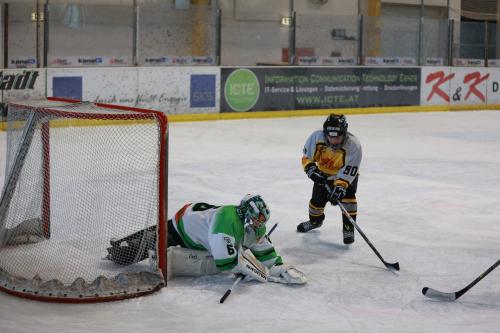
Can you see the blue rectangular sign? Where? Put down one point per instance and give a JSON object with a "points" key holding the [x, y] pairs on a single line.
{"points": [[202, 92], [67, 87]]}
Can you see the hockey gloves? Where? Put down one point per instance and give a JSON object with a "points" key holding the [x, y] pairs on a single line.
{"points": [[337, 194], [315, 174], [250, 267], [286, 274], [253, 269]]}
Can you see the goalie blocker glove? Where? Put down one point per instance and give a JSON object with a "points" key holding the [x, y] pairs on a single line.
{"points": [[314, 173], [253, 269], [250, 267]]}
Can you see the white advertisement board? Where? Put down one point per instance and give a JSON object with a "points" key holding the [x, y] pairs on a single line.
{"points": [[455, 86], [435, 86], [21, 84], [196, 89], [469, 85], [493, 90], [179, 90], [174, 90], [103, 85]]}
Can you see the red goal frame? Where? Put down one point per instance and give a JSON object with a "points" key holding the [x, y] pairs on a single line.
{"points": [[163, 191]]}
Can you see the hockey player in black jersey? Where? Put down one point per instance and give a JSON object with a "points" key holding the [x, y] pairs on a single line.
{"points": [[331, 159]]}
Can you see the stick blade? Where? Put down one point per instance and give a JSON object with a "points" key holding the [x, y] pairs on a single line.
{"points": [[439, 295], [393, 266]]}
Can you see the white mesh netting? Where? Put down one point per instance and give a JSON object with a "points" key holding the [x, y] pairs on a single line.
{"points": [[77, 176]]}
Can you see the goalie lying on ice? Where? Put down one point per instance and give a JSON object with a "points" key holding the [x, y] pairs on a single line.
{"points": [[207, 239]]}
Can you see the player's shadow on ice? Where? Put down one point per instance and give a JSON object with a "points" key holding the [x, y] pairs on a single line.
{"points": [[313, 247]]}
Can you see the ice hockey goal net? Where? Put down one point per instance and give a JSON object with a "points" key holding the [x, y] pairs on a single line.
{"points": [[78, 175]]}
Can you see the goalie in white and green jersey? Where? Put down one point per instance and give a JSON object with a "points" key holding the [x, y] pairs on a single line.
{"points": [[207, 239]]}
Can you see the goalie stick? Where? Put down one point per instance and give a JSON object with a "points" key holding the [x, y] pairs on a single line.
{"points": [[452, 296], [241, 276], [228, 292]]}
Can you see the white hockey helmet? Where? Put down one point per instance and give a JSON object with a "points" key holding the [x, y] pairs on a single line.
{"points": [[253, 211]]}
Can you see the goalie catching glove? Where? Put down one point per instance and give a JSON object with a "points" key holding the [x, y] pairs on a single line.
{"points": [[287, 274]]}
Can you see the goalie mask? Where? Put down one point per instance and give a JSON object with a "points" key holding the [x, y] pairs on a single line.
{"points": [[334, 127], [254, 213]]}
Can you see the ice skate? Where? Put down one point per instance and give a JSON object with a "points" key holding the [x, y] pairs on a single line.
{"points": [[348, 233], [308, 225]]}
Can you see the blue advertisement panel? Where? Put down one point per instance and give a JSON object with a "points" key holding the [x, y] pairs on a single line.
{"points": [[67, 87], [202, 91]]}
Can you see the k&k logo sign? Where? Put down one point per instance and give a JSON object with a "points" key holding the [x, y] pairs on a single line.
{"points": [[437, 81], [454, 86]]}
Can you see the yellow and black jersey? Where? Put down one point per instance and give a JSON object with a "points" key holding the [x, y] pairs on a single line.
{"points": [[341, 163]]}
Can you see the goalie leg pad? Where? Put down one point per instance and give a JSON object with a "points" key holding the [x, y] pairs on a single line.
{"points": [[188, 262]]}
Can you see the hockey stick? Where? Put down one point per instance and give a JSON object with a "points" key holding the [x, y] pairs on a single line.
{"points": [[436, 294], [241, 276], [272, 229], [394, 266], [228, 292]]}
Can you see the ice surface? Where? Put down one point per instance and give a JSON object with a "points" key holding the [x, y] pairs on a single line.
{"points": [[428, 197]]}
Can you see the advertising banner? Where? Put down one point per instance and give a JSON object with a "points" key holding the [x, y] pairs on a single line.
{"points": [[327, 61], [461, 62], [179, 90], [390, 61], [112, 85], [21, 84], [493, 86], [432, 61], [174, 90], [89, 61], [459, 86], [163, 60], [469, 85], [25, 62], [436, 85], [302, 88], [68, 87]]}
